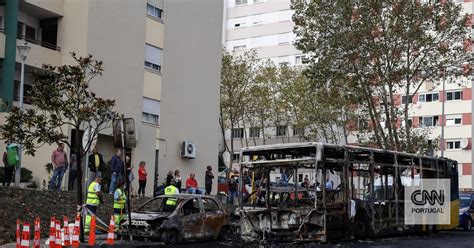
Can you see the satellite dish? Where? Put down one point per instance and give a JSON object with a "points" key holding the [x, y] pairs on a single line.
{"points": [[464, 143]]}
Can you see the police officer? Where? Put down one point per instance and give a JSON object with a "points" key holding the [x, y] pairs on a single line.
{"points": [[94, 198], [120, 198], [171, 190]]}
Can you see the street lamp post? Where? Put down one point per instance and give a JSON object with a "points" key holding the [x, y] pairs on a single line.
{"points": [[443, 118], [23, 52]]}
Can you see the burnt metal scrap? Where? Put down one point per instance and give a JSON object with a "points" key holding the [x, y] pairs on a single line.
{"points": [[194, 217], [348, 192]]}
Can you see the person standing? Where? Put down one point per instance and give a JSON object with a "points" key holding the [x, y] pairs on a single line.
{"points": [[232, 189], [120, 198], [142, 174], [169, 176], [208, 180], [94, 198], [171, 189], [59, 161], [96, 164], [116, 166], [177, 179], [10, 160], [72, 170]]}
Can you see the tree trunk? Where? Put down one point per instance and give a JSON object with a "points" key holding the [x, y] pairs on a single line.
{"points": [[79, 177]]}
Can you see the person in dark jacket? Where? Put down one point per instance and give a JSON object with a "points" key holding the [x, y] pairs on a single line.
{"points": [[208, 180], [96, 164], [116, 167]]}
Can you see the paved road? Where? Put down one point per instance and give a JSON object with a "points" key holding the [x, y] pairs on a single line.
{"points": [[443, 239]]}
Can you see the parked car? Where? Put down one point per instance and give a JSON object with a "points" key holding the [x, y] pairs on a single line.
{"points": [[194, 217], [466, 210]]}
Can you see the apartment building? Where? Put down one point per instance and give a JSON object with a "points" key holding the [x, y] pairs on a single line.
{"points": [[128, 36], [266, 26]]}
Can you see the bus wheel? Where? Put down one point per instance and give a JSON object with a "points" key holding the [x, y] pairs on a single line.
{"points": [[361, 228], [468, 225], [431, 229]]}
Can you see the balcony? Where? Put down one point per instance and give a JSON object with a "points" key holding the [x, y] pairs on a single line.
{"points": [[32, 40], [38, 54]]}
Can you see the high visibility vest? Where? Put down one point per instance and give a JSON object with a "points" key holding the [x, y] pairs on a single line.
{"points": [[170, 190], [92, 197], [120, 202]]}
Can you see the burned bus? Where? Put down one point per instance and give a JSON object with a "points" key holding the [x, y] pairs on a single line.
{"points": [[321, 192]]}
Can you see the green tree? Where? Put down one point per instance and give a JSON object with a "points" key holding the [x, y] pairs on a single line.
{"points": [[370, 50], [61, 101], [237, 73]]}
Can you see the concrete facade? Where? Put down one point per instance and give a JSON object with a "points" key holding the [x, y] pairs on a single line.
{"points": [[119, 34], [192, 64]]}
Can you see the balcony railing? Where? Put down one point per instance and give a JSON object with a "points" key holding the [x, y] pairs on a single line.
{"points": [[35, 41]]}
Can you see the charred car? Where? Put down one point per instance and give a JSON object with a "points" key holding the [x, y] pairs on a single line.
{"points": [[192, 217]]}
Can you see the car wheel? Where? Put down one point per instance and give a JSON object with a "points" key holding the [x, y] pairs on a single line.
{"points": [[225, 234], [170, 237], [468, 225]]}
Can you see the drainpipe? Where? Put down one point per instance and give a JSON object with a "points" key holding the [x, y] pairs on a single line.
{"points": [[8, 72]]}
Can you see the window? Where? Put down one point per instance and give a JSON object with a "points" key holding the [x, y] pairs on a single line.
{"points": [[453, 120], [238, 25], [191, 207], [153, 57], [238, 48], [151, 111], [430, 97], [238, 133], [254, 132], [281, 130], [154, 11], [299, 59], [30, 34], [453, 144], [454, 95], [298, 131], [240, 2], [210, 205], [235, 157], [429, 121], [405, 98], [27, 88], [19, 30]]}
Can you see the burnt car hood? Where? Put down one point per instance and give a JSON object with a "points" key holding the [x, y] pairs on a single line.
{"points": [[147, 216]]}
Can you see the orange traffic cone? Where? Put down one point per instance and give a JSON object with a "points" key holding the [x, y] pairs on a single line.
{"points": [[75, 235], [67, 237], [52, 233], [92, 231], [37, 237], [25, 236], [58, 240], [18, 239], [111, 235]]}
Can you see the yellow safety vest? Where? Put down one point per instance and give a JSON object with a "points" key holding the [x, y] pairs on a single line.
{"points": [[92, 197], [120, 202], [170, 190]]}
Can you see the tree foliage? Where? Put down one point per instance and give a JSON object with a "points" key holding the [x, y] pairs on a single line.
{"points": [[364, 52], [259, 95]]}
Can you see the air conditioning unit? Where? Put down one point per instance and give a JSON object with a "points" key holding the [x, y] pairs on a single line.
{"points": [[464, 143], [188, 150]]}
